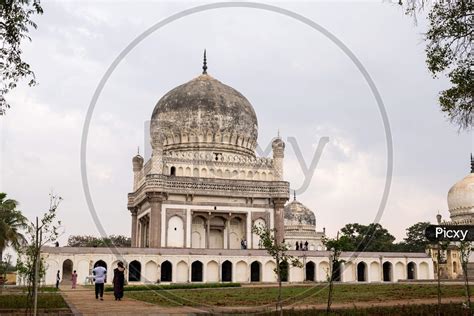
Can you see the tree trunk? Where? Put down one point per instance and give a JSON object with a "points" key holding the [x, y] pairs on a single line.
{"points": [[279, 306], [439, 281], [466, 284], [328, 309]]}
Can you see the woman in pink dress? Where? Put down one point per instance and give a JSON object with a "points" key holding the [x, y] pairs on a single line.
{"points": [[74, 279]]}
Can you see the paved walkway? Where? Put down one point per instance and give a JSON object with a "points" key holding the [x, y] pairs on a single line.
{"points": [[82, 302]]}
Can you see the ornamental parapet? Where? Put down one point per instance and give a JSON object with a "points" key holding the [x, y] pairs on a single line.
{"points": [[205, 158], [467, 221], [278, 190]]}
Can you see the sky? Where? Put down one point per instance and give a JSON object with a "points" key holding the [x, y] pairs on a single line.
{"points": [[298, 81]]}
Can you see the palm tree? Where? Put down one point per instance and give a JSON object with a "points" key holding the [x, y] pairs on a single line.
{"points": [[12, 222]]}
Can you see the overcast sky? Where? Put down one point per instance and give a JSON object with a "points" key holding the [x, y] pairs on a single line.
{"points": [[298, 81]]}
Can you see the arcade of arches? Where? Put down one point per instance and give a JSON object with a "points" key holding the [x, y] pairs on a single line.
{"points": [[177, 269]]}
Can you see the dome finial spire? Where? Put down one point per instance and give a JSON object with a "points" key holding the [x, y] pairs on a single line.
{"points": [[294, 195], [204, 64], [472, 164]]}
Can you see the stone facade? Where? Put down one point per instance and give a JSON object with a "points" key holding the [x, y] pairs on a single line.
{"points": [[169, 265], [194, 202]]}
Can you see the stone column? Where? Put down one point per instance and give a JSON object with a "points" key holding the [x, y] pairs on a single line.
{"points": [[208, 231], [133, 236], [188, 228], [279, 220], [154, 230], [140, 233], [248, 230], [227, 224]]}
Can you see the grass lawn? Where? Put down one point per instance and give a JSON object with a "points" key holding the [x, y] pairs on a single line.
{"points": [[257, 296], [45, 301], [406, 310], [156, 287]]}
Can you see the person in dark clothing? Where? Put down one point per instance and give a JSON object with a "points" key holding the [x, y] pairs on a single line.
{"points": [[301, 245], [306, 245], [58, 278], [118, 281], [297, 246]]}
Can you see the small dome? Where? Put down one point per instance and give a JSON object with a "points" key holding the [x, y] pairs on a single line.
{"points": [[205, 114], [137, 162], [298, 214], [461, 195], [137, 159], [461, 198]]}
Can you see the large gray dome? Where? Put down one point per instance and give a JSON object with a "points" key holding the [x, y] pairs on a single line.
{"points": [[205, 114]]}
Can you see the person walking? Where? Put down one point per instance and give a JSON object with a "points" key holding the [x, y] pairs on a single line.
{"points": [[119, 280], [74, 279], [100, 277], [58, 278]]}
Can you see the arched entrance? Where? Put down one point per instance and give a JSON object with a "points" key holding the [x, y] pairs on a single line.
{"points": [[226, 271], [387, 272], [216, 232], [423, 272], [134, 271], [166, 272], [196, 271], [284, 271], [175, 233], [182, 272], [260, 222], [255, 271], [411, 271], [336, 271], [309, 271], [100, 263], [67, 272], [361, 272]]}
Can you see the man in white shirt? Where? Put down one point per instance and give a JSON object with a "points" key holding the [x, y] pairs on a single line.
{"points": [[100, 277]]}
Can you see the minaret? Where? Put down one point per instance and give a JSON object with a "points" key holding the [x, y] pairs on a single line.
{"points": [[156, 154], [137, 163], [278, 147]]}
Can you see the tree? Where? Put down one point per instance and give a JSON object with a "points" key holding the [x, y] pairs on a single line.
{"points": [[372, 237], [449, 50], [464, 253], [279, 252], [15, 22], [335, 247], [91, 241], [30, 264], [12, 222], [416, 240]]}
